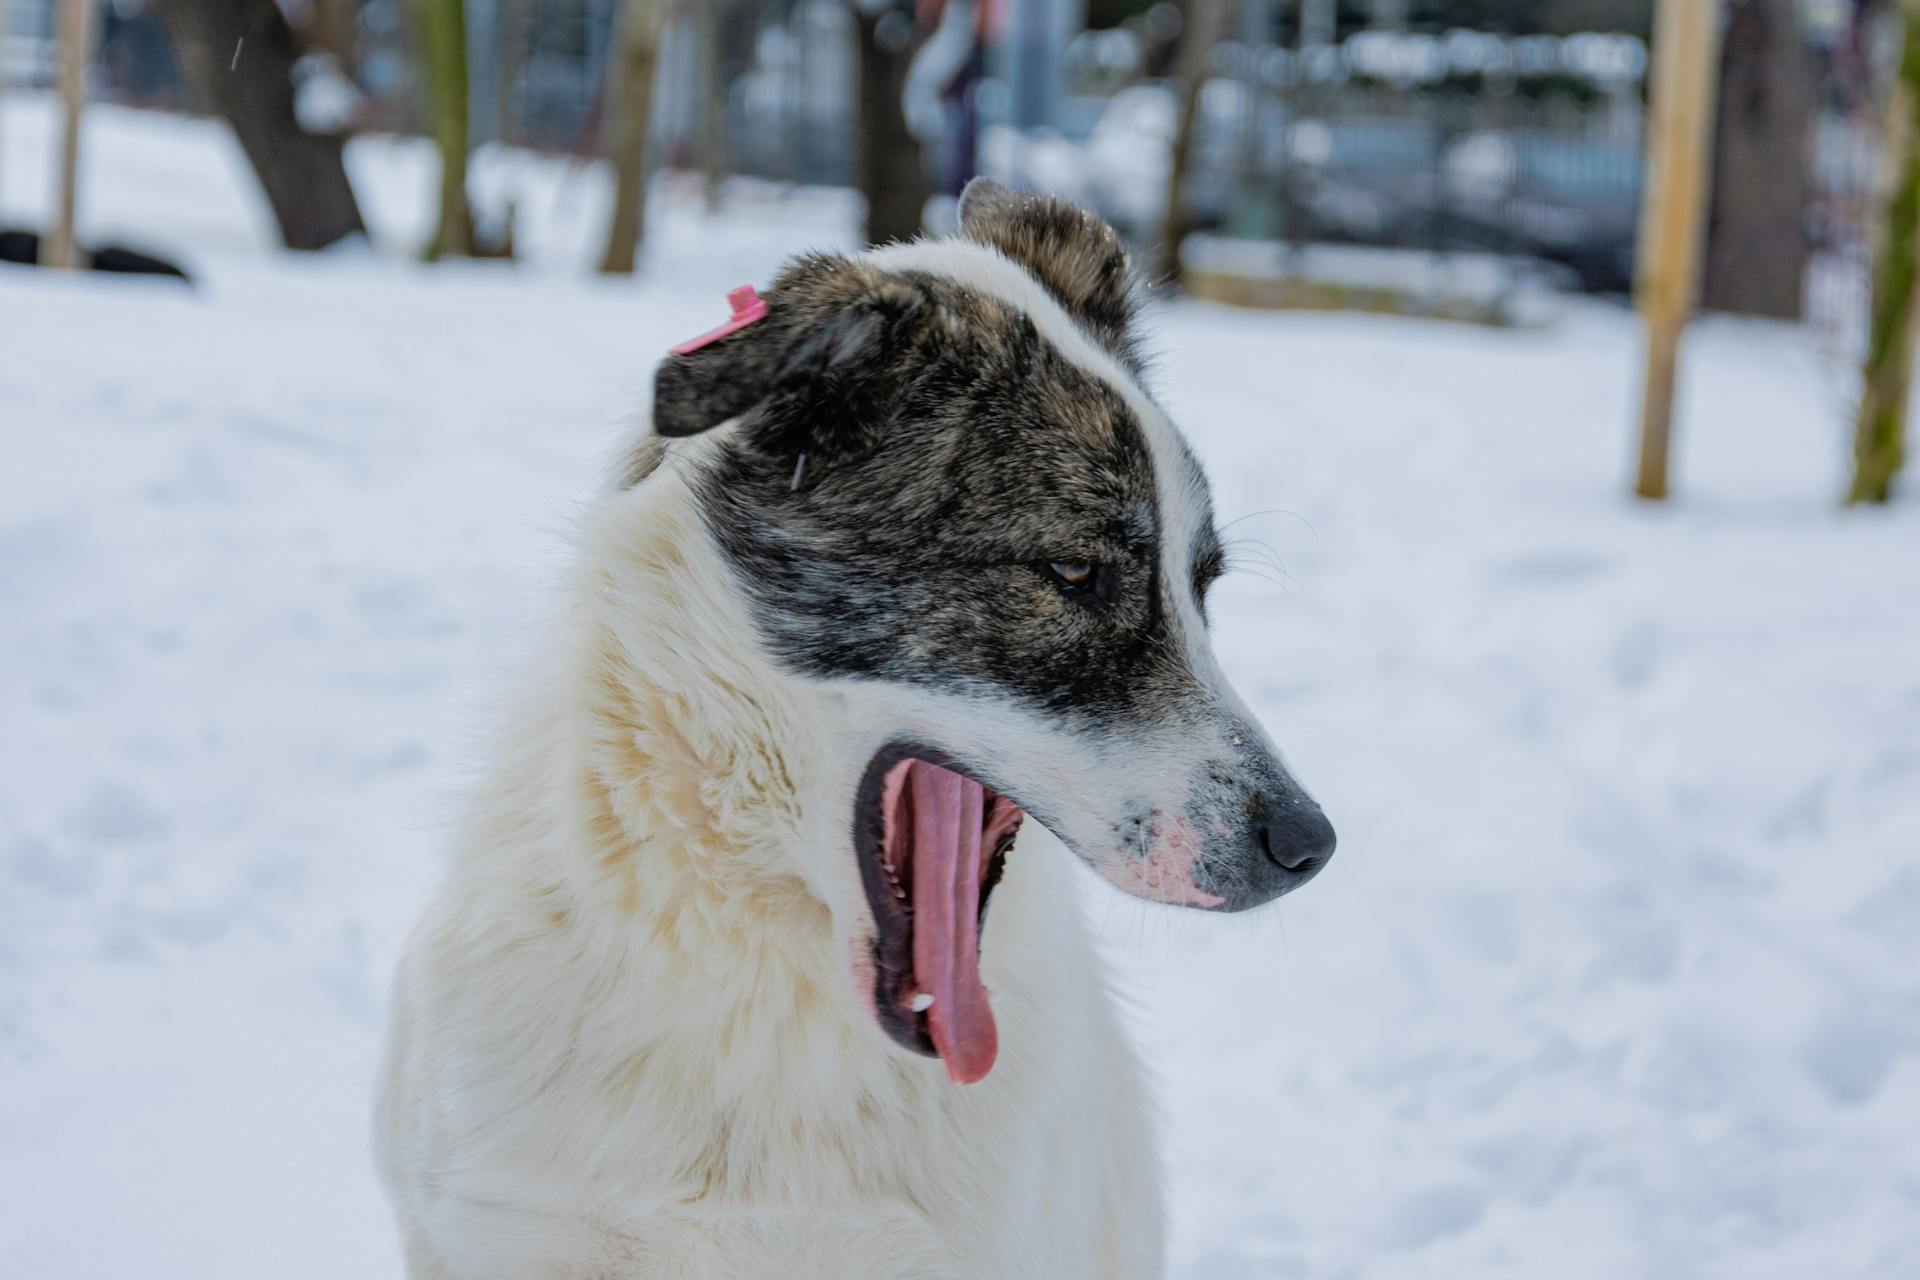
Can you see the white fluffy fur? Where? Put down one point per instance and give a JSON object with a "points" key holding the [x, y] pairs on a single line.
{"points": [[628, 1038]]}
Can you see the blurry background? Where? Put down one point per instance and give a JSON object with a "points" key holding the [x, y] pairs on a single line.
{"points": [[1618, 971], [1487, 126]]}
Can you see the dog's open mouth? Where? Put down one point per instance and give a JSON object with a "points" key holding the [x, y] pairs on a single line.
{"points": [[932, 843]]}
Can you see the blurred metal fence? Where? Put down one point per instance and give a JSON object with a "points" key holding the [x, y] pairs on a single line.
{"points": [[1857, 63], [1439, 140], [539, 68], [31, 50], [784, 70], [1456, 142], [132, 61]]}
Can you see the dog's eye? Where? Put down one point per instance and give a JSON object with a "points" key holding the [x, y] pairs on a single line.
{"points": [[1077, 574]]}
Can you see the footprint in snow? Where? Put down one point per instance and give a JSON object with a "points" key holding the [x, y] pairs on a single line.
{"points": [[1432, 1214], [1849, 1056], [115, 814]]}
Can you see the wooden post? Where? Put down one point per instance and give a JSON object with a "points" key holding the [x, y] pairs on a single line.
{"points": [[1685, 65], [76, 45]]}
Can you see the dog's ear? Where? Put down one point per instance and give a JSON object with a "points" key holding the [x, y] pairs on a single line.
{"points": [[1074, 255], [814, 375]]}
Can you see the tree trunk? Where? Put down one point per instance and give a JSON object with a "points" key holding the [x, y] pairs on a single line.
{"points": [[238, 55], [1757, 244], [440, 47], [1879, 446], [893, 177], [624, 137], [1205, 21]]}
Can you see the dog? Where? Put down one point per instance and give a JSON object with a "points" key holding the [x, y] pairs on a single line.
{"points": [[898, 609]]}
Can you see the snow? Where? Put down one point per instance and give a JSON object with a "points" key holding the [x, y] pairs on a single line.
{"points": [[1616, 973]]}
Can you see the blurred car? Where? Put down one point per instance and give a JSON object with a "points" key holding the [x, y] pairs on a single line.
{"points": [[1363, 179], [1564, 199]]}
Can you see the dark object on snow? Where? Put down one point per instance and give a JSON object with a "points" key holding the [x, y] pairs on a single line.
{"points": [[24, 247]]}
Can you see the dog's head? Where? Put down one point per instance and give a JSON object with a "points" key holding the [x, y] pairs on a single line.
{"points": [[945, 494]]}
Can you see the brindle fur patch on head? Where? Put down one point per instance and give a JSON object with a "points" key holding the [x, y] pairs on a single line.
{"points": [[952, 455]]}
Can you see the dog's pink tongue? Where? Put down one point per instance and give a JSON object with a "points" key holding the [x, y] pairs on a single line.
{"points": [[948, 812]]}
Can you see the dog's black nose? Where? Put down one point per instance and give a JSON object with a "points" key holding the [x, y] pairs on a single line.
{"points": [[1297, 837]]}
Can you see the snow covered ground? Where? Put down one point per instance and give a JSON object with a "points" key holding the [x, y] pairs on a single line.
{"points": [[1617, 973]]}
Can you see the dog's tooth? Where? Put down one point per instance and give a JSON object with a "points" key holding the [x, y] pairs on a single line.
{"points": [[922, 1002]]}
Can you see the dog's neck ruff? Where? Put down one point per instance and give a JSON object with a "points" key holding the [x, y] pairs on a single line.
{"points": [[690, 752], [687, 772]]}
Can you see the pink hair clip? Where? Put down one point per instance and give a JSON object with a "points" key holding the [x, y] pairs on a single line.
{"points": [[747, 305]]}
